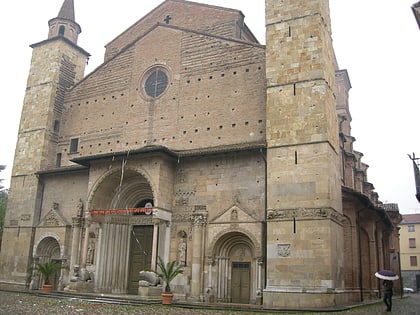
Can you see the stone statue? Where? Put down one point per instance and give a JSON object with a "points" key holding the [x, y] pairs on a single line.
{"points": [[80, 208], [91, 252], [148, 279], [182, 250], [75, 276]]}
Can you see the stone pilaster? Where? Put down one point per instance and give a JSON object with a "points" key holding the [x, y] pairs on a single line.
{"points": [[199, 221]]}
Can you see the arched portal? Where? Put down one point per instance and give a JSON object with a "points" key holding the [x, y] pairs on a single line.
{"points": [[127, 239], [47, 250], [235, 269], [119, 190]]}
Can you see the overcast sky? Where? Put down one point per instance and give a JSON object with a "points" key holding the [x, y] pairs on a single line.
{"points": [[377, 41]]}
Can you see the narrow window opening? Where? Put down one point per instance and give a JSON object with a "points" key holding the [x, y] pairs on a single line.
{"points": [[294, 225], [74, 145], [61, 30], [296, 157], [294, 89], [290, 31], [56, 126], [58, 160]]}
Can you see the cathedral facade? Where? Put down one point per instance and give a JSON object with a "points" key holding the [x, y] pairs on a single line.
{"points": [[233, 158]]}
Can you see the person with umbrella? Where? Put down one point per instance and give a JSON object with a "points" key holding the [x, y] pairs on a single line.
{"points": [[388, 276], [388, 292]]}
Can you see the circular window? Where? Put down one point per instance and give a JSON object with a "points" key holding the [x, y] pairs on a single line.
{"points": [[156, 82]]}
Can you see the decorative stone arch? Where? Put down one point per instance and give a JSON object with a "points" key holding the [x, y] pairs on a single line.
{"points": [[107, 193], [47, 249], [118, 259], [49, 245], [221, 235], [229, 252]]}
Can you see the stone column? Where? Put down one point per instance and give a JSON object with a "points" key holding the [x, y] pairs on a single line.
{"points": [[199, 221], [113, 263], [210, 284], [222, 279], [155, 243], [75, 244], [167, 242], [259, 281], [85, 242]]}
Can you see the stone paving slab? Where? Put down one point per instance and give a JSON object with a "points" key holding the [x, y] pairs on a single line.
{"points": [[39, 304]]}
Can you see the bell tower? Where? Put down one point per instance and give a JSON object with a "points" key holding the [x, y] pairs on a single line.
{"points": [[57, 64], [64, 25], [304, 205]]}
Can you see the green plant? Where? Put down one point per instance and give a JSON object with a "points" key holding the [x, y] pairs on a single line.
{"points": [[47, 269], [167, 272]]}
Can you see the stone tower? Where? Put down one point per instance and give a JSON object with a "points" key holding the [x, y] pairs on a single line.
{"points": [[304, 210], [57, 64]]}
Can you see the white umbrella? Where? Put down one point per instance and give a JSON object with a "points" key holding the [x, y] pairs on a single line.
{"points": [[386, 275]]}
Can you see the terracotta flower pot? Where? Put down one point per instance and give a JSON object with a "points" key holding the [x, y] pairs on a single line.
{"points": [[46, 288], [167, 298]]}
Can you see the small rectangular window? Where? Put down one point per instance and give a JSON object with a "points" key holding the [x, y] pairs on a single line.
{"points": [[56, 126], [74, 145], [411, 228], [413, 261], [412, 242], [58, 160]]}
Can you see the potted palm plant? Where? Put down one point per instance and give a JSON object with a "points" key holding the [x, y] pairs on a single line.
{"points": [[167, 272], [47, 269]]}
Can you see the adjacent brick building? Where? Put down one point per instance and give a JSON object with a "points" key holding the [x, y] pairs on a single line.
{"points": [[234, 158]]}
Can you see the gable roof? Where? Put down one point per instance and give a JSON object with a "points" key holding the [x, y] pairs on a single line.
{"points": [[411, 218], [210, 19], [134, 42]]}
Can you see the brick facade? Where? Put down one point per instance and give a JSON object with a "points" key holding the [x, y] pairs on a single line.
{"points": [[244, 157]]}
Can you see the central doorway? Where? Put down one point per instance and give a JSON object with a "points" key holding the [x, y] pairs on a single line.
{"points": [[140, 254]]}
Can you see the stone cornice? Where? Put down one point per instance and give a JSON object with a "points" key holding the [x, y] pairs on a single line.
{"points": [[304, 214]]}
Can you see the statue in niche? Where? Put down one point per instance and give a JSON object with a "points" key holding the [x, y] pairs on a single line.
{"points": [[91, 252], [80, 208], [234, 215], [182, 252]]}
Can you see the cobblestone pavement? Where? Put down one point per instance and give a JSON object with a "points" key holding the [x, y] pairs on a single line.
{"points": [[24, 303]]}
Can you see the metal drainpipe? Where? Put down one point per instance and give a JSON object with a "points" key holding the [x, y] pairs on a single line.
{"points": [[377, 256], [264, 227]]}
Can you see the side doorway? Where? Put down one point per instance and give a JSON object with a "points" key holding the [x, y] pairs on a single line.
{"points": [[241, 282]]}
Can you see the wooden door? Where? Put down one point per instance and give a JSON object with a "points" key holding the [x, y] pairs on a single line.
{"points": [[140, 254], [241, 288]]}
